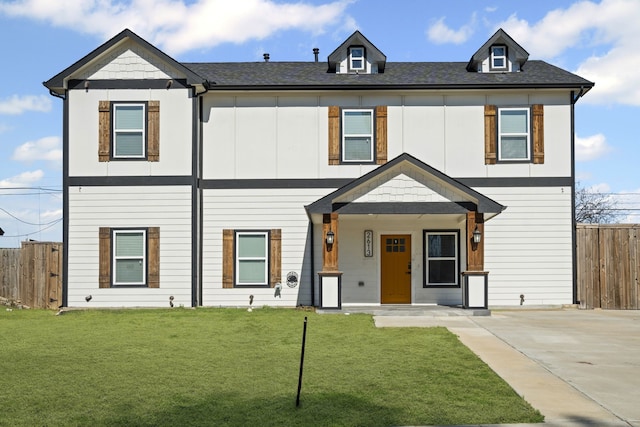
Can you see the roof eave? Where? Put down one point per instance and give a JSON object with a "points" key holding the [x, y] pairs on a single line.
{"points": [[58, 83]]}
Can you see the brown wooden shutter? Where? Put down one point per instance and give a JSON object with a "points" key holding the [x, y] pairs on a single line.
{"points": [[275, 257], [104, 257], [490, 135], [153, 131], [381, 134], [104, 130], [227, 258], [153, 249], [537, 130], [334, 135]]}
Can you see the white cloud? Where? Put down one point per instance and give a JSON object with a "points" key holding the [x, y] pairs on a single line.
{"points": [[47, 148], [609, 29], [440, 33], [25, 179], [20, 104], [178, 25], [591, 147]]}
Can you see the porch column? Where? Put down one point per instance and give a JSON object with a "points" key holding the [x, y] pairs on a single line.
{"points": [[330, 252], [475, 251], [475, 281], [330, 277]]}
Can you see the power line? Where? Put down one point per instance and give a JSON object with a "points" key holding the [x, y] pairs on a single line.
{"points": [[51, 224], [27, 222]]}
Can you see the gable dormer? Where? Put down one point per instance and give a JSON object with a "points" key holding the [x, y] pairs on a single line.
{"points": [[357, 55], [500, 54]]}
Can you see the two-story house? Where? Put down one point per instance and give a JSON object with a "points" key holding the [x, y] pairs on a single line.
{"points": [[354, 181]]}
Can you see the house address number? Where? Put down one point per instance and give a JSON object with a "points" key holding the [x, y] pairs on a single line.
{"points": [[368, 243]]}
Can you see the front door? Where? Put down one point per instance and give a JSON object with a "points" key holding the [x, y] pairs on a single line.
{"points": [[395, 269]]}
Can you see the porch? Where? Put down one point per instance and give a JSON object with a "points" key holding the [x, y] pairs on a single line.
{"points": [[408, 310]]}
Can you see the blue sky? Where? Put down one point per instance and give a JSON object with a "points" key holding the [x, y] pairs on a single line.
{"points": [[38, 38]]}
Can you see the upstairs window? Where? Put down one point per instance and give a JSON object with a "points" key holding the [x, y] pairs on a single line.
{"points": [[357, 135], [356, 58], [513, 134], [499, 57], [128, 130]]}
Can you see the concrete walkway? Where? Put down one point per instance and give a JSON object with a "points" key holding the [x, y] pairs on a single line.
{"points": [[577, 367]]}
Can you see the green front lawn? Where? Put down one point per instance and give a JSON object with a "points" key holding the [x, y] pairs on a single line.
{"points": [[230, 367]]}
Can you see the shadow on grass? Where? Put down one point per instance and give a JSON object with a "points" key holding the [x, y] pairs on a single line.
{"points": [[319, 409]]}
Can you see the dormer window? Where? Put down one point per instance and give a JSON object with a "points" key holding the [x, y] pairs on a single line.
{"points": [[499, 57], [356, 58]]}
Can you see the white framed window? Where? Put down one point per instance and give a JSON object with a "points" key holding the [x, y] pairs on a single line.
{"points": [[357, 135], [252, 258], [441, 258], [499, 57], [129, 130], [356, 58], [129, 257], [513, 134]]}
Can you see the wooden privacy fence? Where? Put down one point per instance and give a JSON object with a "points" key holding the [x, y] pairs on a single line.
{"points": [[608, 264], [32, 274]]}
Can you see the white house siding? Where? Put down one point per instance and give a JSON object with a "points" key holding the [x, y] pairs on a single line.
{"points": [[528, 246], [258, 209], [176, 133], [93, 207]]}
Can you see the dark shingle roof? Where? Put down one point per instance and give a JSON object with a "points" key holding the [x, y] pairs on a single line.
{"points": [[427, 75]]}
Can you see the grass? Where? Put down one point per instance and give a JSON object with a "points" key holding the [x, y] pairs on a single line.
{"points": [[227, 367]]}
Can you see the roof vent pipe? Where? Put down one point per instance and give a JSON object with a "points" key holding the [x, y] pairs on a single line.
{"points": [[316, 51], [266, 57]]}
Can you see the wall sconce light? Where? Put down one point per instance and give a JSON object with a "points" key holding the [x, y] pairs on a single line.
{"points": [[477, 236], [329, 238]]}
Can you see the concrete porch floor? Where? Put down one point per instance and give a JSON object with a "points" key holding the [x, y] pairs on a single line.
{"points": [[408, 310]]}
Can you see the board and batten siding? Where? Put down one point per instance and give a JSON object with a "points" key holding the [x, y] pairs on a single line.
{"points": [[168, 208], [258, 209], [175, 138], [528, 249], [270, 136]]}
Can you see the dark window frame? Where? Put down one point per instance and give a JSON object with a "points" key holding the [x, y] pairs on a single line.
{"points": [[425, 258]]}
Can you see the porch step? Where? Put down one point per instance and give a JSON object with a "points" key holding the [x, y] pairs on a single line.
{"points": [[409, 310]]}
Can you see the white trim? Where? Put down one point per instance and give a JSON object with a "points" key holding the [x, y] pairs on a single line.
{"points": [[360, 58], [265, 258], [526, 134], [371, 135], [143, 258], [142, 130], [495, 57]]}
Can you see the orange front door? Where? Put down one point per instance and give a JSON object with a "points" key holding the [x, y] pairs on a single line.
{"points": [[395, 269]]}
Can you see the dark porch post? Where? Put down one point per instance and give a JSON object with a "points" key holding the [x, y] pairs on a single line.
{"points": [[475, 281], [330, 277]]}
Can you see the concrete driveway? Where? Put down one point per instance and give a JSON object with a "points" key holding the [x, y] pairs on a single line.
{"points": [[578, 367], [595, 351]]}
